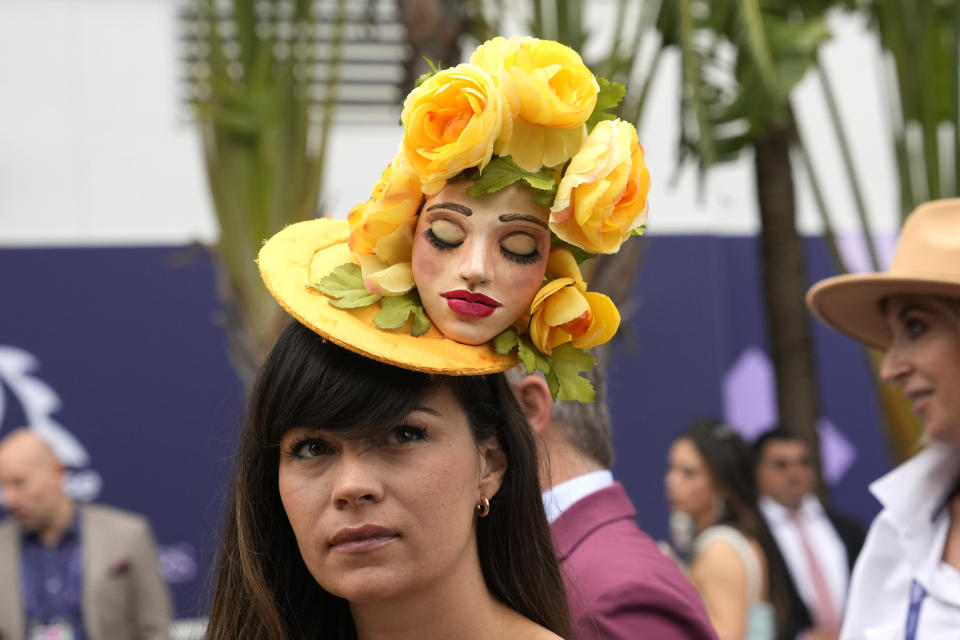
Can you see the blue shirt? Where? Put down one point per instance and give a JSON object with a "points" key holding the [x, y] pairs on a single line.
{"points": [[51, 578]]}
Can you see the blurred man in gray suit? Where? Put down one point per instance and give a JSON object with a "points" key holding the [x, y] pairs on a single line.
{"points": [[68, 570]]}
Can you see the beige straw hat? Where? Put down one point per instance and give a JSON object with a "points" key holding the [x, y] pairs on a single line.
{"points": [[926, 262]]}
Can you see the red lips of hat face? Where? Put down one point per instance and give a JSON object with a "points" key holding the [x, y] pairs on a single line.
{"points": [[474, 305]]}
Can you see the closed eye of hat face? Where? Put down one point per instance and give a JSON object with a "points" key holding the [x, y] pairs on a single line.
{"points": [[924, 360]]}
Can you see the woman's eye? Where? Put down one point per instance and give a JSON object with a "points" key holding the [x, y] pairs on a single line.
{"points": [[310, 448], [915, 328], [404, 433], [444, 234]]}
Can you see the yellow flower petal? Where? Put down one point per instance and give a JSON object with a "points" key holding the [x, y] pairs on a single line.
{"points": [[604, 324], [397, 247], [548, 290], [395, 280]]}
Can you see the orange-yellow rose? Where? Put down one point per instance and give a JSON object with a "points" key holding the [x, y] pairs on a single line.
{"points": [[450, 123], [602, 196], [551, 94], [381, 230], [564, 311], [396, 198]]}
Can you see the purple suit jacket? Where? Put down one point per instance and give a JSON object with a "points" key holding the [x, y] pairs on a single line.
{"points": [[620, 586]]}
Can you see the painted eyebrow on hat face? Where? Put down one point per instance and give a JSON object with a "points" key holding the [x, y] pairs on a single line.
{"points": [[510, 217], [453, 206]]}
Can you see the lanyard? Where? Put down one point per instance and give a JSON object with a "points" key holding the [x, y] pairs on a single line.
{"points": [[917, 594]]}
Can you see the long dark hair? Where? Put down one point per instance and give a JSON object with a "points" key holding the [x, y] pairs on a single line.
{"points": [[729, 460], [263, 588]]}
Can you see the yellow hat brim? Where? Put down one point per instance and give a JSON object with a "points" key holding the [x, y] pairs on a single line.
{"points": [[305, 252]]}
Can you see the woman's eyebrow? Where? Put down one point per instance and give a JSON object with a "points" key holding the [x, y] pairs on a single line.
{"points": [[907, 308], [453, 206], [510, 217], [426, 409]]}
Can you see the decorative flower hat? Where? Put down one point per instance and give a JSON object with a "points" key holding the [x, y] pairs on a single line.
{"points": [[521, 109]]}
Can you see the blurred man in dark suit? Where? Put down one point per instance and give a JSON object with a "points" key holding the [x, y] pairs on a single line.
{"points": [[819, 546]]}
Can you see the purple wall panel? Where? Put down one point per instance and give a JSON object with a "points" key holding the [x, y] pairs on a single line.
{"points": [[120, 349]]}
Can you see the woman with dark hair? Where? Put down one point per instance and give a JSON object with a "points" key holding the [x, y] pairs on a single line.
{"points": [[404, 501], [387, 482], [713, 498]]}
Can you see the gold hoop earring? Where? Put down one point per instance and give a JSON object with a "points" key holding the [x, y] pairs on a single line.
{"points": [[483, 507]]}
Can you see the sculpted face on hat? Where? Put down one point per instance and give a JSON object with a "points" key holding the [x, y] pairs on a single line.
{"points": [[466, 258], [479, 261]]}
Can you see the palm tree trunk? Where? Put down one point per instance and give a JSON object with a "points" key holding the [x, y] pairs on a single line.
{"points": [[784, 286]]}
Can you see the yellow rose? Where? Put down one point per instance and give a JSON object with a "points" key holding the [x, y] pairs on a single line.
{"points": [[603, 193], [396, 199], [450, 123], [564, 311], [551, 93], [381, 230]]}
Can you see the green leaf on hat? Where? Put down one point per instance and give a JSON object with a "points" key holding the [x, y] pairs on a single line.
{"points": [[563, 378], [505, 341], [421, 323], [502, 172], [609, 96], [394, 311], [344, 287], [434, 68], [638, 231], [531, 357]]}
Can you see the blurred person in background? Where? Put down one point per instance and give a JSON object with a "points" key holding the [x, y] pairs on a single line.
{"points": [[712, 496], [906, 582], [619, 585], [817, 544], [72, 571]]}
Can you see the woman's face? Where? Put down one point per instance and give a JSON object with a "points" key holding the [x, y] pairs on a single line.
{"points": [[391, 514], [689, 486], [479, 261], [924, 359]]}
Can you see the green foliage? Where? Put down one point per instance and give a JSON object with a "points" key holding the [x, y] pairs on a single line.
{"points": [[395, 310], [561, 368], [609, 97], [344, 287], [501, 172], [434, 68], [740, 61], [563, 378], [531, 357], [505, 341]]}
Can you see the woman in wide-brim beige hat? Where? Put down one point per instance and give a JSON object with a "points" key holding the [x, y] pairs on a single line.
{"points": [[906, 583]]}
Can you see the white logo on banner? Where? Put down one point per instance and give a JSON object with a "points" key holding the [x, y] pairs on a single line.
{"points": [[39, 401]]}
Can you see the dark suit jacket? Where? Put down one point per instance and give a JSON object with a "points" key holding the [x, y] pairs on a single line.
{"points": [[124, 596], [620, 586], [852, 536]]}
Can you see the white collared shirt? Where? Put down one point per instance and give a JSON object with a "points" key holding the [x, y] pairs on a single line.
{"points": [[558, 499], [905, 543], [823, 539]]}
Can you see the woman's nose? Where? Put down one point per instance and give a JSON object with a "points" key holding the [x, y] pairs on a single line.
{"points": [[356, 481], [894, 366], [475, 267]]}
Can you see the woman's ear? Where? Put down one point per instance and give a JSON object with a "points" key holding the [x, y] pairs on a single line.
{"points": [[493, 465], [533, 394]]}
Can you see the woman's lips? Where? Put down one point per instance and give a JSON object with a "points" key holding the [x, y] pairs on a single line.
{"points": [[362, 539], [467, 303]]}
